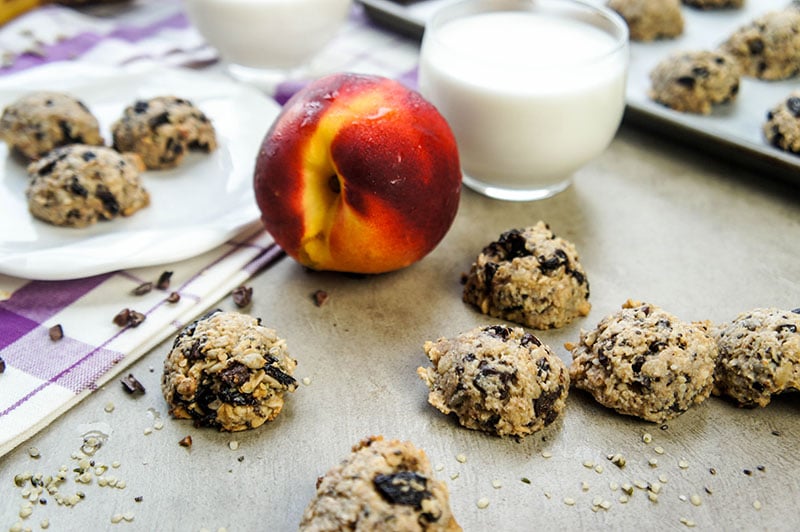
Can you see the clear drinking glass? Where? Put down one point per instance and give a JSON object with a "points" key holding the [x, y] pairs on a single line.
{"points": [[533, 89], [264, 42]]}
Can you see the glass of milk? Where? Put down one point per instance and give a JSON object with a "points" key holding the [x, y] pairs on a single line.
{"points": [[532, 89], [265, 42]]}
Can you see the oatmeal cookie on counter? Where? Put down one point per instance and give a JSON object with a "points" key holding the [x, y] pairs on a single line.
{"points": [[769, 47], [649, 20], [227, 371], [162, 130], [759, 356], [41, 121], [531, 277], [782, 127], [496, 379], [382, 485], [642, 361], [695, 81], [77, 185]]}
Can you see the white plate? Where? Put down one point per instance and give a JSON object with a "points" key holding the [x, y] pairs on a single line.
{"points": [[193, 208]]}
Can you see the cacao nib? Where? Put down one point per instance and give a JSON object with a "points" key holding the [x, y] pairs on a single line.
{"points": [[320, 297], [173, 297], [122, 317], [406, 488], [283, 378], [242, 296], [131, 385], [56, 332], [164, 280], [186, 441], [142, 289]]}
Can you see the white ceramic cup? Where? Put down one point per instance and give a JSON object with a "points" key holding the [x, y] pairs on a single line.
{"points": [[533, 89], [266, 41]]}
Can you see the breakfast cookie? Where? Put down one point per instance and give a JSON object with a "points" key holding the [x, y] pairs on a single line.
{"points": [[769, 47], [649, 20], [496, 379], [531, 277], [694, 81], [381, 486], [782, 127], [40, 121], [227, 371], [77, 185], [645, 362], [759, 356], [162, 130], [715, 4]]}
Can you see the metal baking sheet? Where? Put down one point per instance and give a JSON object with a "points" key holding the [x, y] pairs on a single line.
{"points": [[732, 131]]}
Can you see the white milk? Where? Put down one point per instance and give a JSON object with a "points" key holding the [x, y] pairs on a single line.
{"points": [[271, 34], [530, 97]]}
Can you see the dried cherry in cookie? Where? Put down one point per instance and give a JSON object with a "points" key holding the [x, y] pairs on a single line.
{"points": [[382, 485], [226, 370], [643, 361], [497, 379]]}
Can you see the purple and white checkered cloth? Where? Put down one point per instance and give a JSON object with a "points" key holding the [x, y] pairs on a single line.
{"points": [[44, 378]]}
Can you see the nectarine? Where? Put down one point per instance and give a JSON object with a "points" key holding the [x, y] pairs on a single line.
{"points": [[358, 174]]}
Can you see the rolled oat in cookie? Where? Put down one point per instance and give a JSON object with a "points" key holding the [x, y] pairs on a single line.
{"points": [[227, 371], [782, 127], [769, 47], [642, 361], [759, 356], [77, 185], [695, 81], [649, 20], [41, 121], [383, 485], [531, 277], [496, 379], [162, 130]]}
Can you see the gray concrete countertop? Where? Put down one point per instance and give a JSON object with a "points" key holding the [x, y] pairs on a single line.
{"points": [[651, 221]]}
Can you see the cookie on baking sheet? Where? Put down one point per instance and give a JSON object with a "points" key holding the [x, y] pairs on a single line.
{"points": [[644, 362], [41, 121], [162, 130], [649, 20], [759, 356], [382, 485], [695, 81], [227, 371], [531, 277], [496, 379], [714, 4], [77, 185], [782, 127], [769, 47]]}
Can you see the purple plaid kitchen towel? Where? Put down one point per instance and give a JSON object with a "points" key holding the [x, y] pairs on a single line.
{"points": [[43, 377]]}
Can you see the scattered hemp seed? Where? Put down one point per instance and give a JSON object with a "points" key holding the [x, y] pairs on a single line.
{"points": [[688, 522], [56, 332], [164, 280], [131, 385], [547, 454], [623, 499], [320, 297], [658, 450], [647, 437], [142, 289], [496, 484], [618, 460], [33, 452], [116, 518], [233, 445], [713, 471], [683, 464], [662, 478], [306, 381], [186, 441], [757, 505], [584, 486], [439, 467], [148, 431], [569, 501], [588, 464], [242, 296], [454, 476], [461, 458], [173, 297], [109, 407], [652, 462], [598, 468], [482, 503]]}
